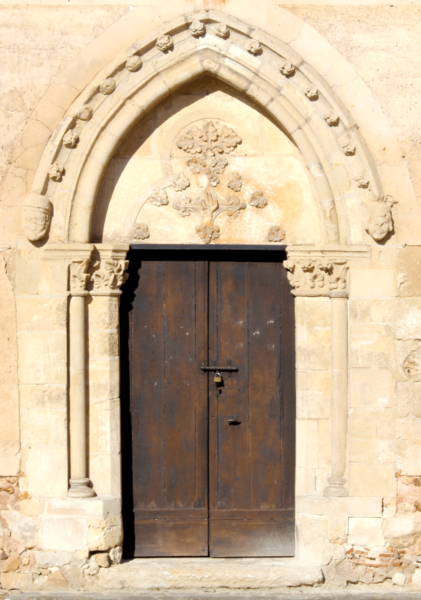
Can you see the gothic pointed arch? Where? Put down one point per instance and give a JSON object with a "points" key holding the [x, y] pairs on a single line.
{"points": [[268, 71]]}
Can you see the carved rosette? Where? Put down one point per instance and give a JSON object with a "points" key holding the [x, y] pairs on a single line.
{"points": [[109, 276], [318, 277]]}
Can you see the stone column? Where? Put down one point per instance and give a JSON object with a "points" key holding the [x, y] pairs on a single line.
{"points": [[79, 482], [108, 269], [339, 406], [318, 274]]}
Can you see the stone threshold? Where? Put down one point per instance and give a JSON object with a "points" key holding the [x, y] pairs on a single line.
{"points": [[202, 573]]}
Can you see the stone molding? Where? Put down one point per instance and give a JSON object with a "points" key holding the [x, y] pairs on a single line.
{"points": [[99, 120]]}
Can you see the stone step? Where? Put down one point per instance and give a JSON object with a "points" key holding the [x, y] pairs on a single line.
{"points": [[200, 573]]}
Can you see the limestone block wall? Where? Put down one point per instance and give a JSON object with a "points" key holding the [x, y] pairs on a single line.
{"points": [[41, 529]]}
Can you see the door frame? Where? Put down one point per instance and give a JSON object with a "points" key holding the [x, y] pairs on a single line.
{"points": [[134, 258]]}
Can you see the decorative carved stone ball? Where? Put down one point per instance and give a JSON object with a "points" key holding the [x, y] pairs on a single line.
{"points": [[70, 139], [276, 234], [197, 28], [85, 113], [164, 43], [331, 118], [287, 69], [36, 213], [312, 92], [107, 86], [258, 200], [133, 63], [254, 47], [56, 172], [222, 30]]}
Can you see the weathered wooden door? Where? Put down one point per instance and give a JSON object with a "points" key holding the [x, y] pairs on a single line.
{"points": [[213, 464]]}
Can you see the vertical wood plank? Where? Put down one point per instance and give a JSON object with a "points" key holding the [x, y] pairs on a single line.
{"points": [[169, 409]]}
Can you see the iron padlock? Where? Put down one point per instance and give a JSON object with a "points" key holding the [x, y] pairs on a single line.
{"points": [[217, 378]]}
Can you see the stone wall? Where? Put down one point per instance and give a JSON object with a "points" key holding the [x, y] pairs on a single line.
{"points": [[374, 534]]}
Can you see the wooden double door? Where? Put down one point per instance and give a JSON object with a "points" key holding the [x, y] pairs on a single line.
{"points": [[212, 462]]}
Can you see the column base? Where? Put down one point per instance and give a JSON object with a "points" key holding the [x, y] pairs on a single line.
{"points": [[79, 488], [336, 488]]}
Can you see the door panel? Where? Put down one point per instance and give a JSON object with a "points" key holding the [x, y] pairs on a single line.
{"points": [[188, 313], [169, 409], [248, 516]]}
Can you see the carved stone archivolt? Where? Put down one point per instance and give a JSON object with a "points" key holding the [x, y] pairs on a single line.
{"points": [[268, 55]]}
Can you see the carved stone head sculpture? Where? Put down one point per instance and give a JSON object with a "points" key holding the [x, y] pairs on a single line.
{"points": [[36, 213], [380, 221]]}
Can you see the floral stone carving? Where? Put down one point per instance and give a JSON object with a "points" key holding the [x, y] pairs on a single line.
{"points": [[317, 277], [107, 86], [79, 275], [85, 113], [36, 214], [208, 144], [164, 43], [254, 47], [197, 28], [311, 92], [276, 234], [56, 172], [348, 145], [222, 30], [141, 231], [258, 199], [133, 63], [287, 68], [235, 182], [70, 139], [110, 275], [331, 119]]}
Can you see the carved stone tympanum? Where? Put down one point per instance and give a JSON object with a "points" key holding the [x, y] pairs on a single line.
{"points": [[208, 143], [36, 214]]}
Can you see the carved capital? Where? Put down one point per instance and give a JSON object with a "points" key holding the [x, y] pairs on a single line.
{"points": [[79, 276], [318, 277], [109, 275]]}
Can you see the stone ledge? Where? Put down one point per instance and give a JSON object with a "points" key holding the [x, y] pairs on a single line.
{"points": [[200, 573]]}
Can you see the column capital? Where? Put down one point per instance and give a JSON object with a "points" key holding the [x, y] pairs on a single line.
{"points": [[318, 276], [108, 269]]}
